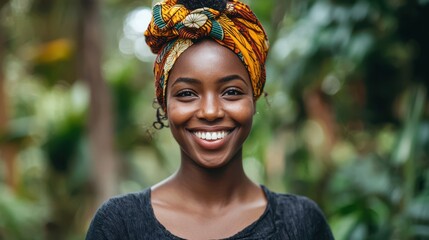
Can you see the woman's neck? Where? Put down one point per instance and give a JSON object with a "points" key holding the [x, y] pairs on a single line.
{"points": [[220, 201], [212, 186]]}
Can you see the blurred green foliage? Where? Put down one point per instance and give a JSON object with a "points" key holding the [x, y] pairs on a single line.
{"points": [[345, 121]]}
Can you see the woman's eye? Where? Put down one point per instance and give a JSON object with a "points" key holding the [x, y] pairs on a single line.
{"points": [[185, 93], [233, 92]]}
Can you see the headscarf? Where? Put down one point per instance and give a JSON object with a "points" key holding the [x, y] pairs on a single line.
{"points": [[178, 24]]}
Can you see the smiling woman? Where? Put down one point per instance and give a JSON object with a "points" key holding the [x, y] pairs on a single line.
{"points": [[209, 74], [210, 109]]}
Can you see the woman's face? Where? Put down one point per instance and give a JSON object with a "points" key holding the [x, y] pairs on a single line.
{"points": [[210, 104]]}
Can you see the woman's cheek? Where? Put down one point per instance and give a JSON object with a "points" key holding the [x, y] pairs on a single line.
{"points": [[243, 109], [179, 111]]}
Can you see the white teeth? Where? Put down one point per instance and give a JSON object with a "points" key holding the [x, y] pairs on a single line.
{"points": [[211, 135]]}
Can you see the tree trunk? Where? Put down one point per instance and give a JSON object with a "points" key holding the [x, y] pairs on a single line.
{"points": [[7, 150], [100, 121]]}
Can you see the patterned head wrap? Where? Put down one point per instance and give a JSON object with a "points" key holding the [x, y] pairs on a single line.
{"points": [[177, 24]]}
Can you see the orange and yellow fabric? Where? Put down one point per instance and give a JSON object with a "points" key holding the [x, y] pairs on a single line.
{"points": [[177, 24]]}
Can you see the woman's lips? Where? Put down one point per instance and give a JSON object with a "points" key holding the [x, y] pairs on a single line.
{"points": [[211, 140], [211, 135]]}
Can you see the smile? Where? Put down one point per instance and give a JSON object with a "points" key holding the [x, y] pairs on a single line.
{"points": [[211, 135]]}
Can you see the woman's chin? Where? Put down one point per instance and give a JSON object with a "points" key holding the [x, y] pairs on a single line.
{"points": [[211, 163]]}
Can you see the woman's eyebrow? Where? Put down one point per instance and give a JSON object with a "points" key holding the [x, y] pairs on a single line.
{"points": [[186, 80], [221, 80], [232, 77]]}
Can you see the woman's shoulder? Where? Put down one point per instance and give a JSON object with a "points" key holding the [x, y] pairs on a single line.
{"points": [[125, 206], [301, 214], [293, 203], [120, 214], [139, 199]]}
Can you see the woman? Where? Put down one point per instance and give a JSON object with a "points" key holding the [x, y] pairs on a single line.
{"points": [[209, 73]]}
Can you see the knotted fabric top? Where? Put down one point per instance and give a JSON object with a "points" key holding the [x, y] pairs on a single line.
{"points": [[174, 28]]}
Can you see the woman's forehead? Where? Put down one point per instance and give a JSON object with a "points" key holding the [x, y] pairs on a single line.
{"points": [[208, 59]]}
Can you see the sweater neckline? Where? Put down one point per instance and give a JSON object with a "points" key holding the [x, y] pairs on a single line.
{"points": [[240, 234]]}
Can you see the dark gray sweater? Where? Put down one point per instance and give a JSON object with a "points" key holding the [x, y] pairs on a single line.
{"points": [[286, 217]]}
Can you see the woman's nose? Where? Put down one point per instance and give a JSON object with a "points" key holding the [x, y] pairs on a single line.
{"points": [[210, 108]]}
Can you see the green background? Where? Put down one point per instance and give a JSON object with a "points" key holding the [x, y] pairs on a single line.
{"points": [[345, 120]]}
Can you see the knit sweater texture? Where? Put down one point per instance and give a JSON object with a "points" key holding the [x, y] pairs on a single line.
{"points": [[286, 217]]}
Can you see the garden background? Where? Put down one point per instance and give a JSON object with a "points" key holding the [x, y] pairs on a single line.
{"points": [[345, 120]]}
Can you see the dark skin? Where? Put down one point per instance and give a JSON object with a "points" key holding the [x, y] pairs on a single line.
{"points": [[209, 197]]}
